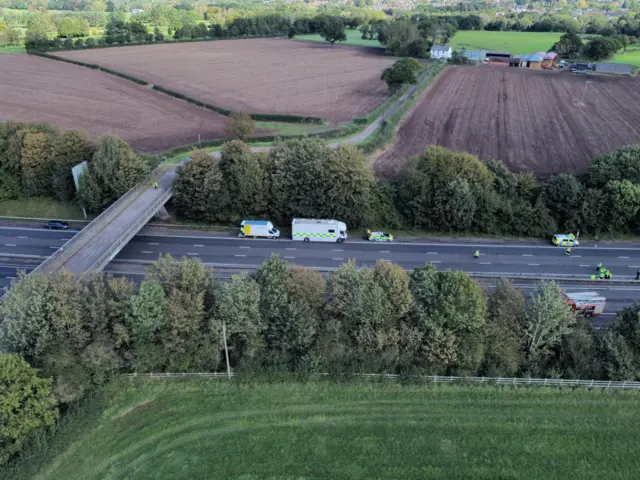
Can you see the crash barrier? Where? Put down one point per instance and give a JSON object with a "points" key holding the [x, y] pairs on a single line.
{"points": [[535, 382]]}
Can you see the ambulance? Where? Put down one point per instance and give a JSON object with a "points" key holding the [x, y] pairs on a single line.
{"points": [[312, 230]]}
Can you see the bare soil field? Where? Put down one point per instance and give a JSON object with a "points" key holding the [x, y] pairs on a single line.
{"points": [[545, 122], [336, 83], [34, 89]]}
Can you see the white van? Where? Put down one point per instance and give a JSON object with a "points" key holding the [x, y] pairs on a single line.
{"points": [[312, 230], [258, 228]]}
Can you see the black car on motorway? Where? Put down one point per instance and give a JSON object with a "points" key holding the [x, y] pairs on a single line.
{"points": [[56, 225]]}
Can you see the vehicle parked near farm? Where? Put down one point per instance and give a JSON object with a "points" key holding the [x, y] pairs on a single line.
{"points": [[312, 230], [258, 228]]}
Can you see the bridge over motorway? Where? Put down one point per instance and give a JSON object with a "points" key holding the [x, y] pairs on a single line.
{"points": [[97, 244]]}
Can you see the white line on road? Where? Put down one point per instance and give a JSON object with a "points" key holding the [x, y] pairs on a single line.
{"points": [[239, 255], [533, 264], [153, 243], [242, 246], [485, 263], [435, 261], [200, 246], [608, 314], [576, 256], [11, 278], [9, 245], [289, 248], [634, 266], [432, 253], [23, 238], [337, 250], [623, 257], [192, 254], [146, 251], [385, 251], [527, 255], [290, 258], [338, 259], [55, 248], [587, 266]]}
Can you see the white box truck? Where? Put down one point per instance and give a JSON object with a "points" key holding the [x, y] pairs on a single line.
{"points": [[312, 230], [258, 228]]}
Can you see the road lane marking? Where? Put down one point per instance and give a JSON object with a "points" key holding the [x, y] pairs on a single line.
{"points": [[432, 253], [337, 250], [289, 248], [485, 263], [200, 246], [55, 248], [576, 256], [290, 258], [634, 266], [146, 251], [337, 259], [587, 266], [623, 257], [239, 255], [153, 243], [533, 264], [9, 245], [385, 251], [240, 247], [435, 261], [527, 255], [23, 238], [192, 254]]}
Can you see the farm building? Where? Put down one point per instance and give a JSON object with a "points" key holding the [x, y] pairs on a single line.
{"points": [[615, 68], [441, 51], [475, 56], [531, 61], [549, 60]]}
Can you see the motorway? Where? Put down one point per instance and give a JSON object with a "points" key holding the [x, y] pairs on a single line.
{"points": [[26, 247]]}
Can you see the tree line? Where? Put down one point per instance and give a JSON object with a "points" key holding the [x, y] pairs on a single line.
{"points": [[78, 333], [440, 190], [36, 160]]}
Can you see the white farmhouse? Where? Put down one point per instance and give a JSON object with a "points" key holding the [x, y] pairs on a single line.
{"points": [[441, 51]]}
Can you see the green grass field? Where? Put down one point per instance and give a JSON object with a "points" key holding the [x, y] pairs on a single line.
{"points": [[353, 38], [514, 42], [40, 207], [213, 429], [631, 56], [12, 49]]}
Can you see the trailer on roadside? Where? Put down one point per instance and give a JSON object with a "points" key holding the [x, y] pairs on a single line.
{"points": [[312, 230]]}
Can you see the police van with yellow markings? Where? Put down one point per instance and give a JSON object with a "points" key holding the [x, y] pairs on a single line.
{"points": [[312, 230], [379, 236], [564, 240]]}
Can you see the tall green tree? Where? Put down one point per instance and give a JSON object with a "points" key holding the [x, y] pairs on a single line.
{"points": [[70, 149], [35, 163], [114, 169], [198, 187], [331, 28], [26, 404], [240, 125], [568, 46], [548, 318], [403, 72]]}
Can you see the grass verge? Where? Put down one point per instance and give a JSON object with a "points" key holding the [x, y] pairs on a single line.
{"points": [[513, 42], [12, 49], [40, 207], [197, 428]]}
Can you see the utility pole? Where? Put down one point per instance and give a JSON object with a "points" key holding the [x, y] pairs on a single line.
{"points": [[226, 348]]}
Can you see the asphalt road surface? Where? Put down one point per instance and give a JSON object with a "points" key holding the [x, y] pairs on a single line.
{"points": [[26, 247]]}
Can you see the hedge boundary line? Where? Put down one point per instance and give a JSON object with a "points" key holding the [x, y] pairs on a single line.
{"points": [[387, 130], [260, 117]]}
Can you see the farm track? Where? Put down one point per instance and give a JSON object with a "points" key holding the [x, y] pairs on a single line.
{"points": [[336, 83], [34, 89], [546, 122]]}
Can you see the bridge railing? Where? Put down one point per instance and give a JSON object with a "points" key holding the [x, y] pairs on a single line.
{"points": [[130, 233]]}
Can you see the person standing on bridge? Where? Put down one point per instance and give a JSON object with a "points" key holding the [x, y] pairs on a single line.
{"points": [[476, 254]]}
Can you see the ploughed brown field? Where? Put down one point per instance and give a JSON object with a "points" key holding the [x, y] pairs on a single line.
{"points": [[546, 122], [336, 83], [34, 89]]}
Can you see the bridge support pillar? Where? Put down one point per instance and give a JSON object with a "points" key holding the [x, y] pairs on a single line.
{"points": [[162, 214]]}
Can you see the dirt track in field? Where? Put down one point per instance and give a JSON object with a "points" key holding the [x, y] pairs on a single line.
{"points": [[336, 83], [34, 89], [546, 122]]}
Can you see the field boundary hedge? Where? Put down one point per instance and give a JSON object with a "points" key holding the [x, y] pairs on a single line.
{"points": [[385, 133], [260, 117]]}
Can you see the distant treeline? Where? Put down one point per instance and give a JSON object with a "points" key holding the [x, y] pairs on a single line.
{"points": [[440, 191]]}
